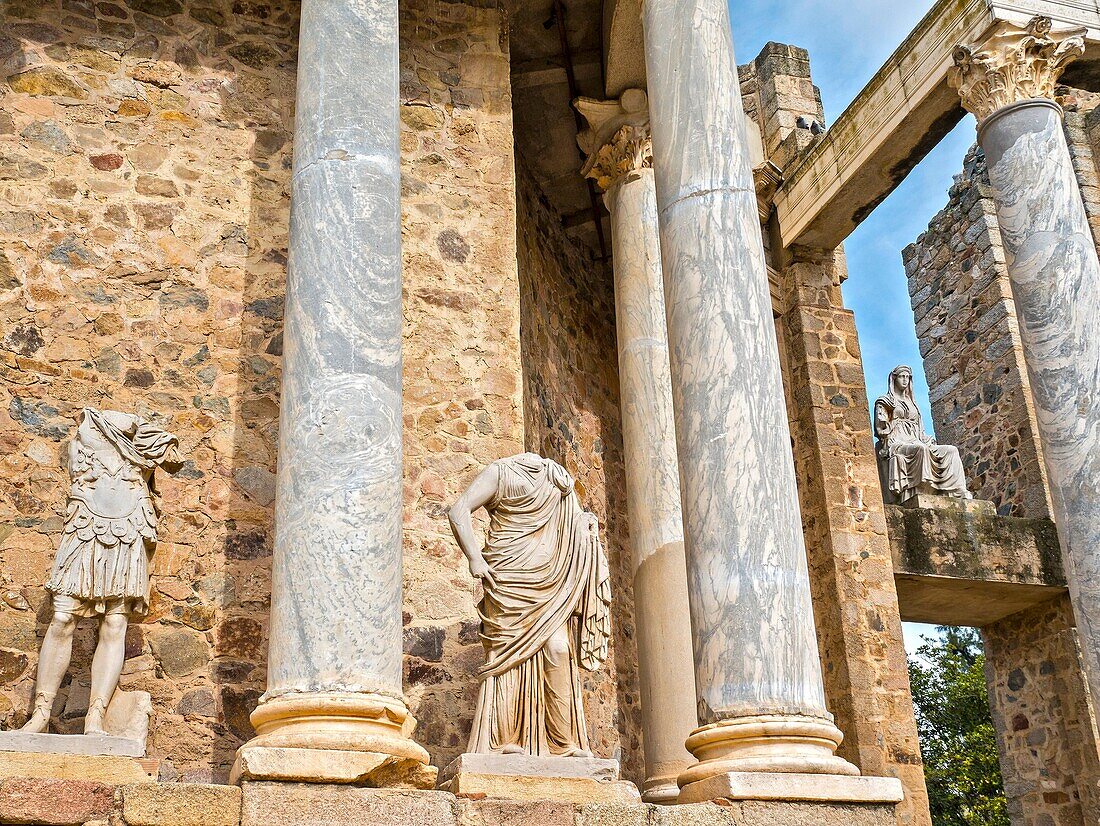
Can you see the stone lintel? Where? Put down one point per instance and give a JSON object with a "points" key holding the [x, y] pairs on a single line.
{"points": [[901, 115], [76, 744], [957, 564], [780, 786]]}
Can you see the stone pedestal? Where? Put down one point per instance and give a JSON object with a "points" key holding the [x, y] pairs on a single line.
{"points": [[761, 703], [334, 662], [86, 766], [523, 777], [793, 787]]}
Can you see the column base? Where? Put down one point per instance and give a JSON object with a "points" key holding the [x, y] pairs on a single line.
{"points": [[662, 791], [777, 743], [334, 738], [794, 787]]}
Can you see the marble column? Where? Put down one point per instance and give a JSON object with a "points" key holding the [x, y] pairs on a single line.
{"points": [[620, 160], [761, 704], [334, 698], [1008, 82]]}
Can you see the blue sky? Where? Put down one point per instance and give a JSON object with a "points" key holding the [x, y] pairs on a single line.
{"points": [[848, 41]]}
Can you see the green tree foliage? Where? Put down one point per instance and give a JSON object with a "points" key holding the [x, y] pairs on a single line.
{"points": [[956, 730]]}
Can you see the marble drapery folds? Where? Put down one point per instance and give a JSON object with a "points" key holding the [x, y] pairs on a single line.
{"points": [[545, 613], [909, 459]]}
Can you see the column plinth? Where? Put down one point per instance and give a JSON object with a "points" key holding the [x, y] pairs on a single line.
{"points": [[620, 160], [760, 699], [333, 711], [1008, 82]]}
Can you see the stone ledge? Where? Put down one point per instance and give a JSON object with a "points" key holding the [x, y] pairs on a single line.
{"points": [[101, 768], [85, 744], [790, 787]]}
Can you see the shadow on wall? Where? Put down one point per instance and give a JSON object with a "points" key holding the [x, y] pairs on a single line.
{"points": [[571, 410], [145, 163]]}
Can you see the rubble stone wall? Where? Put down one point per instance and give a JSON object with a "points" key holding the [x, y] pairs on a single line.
{"points": [[144, 182], [145, 157], [970, 343], [1046, 735], [571, 415]]}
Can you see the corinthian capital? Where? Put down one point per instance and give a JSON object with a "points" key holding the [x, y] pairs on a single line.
{"points": [[1013, 64], [617, 140]]}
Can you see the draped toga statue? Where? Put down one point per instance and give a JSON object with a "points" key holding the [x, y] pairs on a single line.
{"points": [[909, 459], [102, 565], [546, 610]]}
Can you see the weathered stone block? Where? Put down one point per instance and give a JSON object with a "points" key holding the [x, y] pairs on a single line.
{"points": [[302, 804], [491, 812], [109, 769], [53, 801], [181, 805], [613, 814]]}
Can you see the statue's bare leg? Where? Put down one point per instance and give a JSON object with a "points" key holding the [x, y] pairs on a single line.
{"points": [[110, 654], [53, 662]]}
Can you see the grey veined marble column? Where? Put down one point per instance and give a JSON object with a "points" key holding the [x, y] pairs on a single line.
{"points": [[620, 160], [334, 662], [1055, 276], [761, 704]]}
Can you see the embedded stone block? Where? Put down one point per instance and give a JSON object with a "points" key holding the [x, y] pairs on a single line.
{"points": [[181, 804], [774, 813], [100, 768], [52, 801], [305, 804]]}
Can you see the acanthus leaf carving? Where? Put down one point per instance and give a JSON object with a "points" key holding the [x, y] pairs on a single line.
{"points": [[1013, 64]]}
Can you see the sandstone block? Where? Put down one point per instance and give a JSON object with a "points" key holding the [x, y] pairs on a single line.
{"points": [[304, 804], [181, 805], [516, 813], [109, 769], [613, 814], [53, 801]]}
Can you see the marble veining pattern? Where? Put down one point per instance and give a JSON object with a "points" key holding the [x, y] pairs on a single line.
{"points": [[652, 481], [649, 429], [754, 639], [1055, 275], [336, 579]]}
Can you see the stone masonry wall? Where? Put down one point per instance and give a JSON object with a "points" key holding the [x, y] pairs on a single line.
{"points": [[571, 415], [143, 220], [461, 349], [1046, 736], [144, 200], [970, 342]]}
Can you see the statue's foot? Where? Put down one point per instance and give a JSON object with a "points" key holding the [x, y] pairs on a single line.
{"points": [[512, 749], [577, 753], [93, 721], [39, 722]]}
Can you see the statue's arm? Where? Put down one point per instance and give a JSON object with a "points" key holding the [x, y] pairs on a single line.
{"points": [[480, 492], [882, 421]]}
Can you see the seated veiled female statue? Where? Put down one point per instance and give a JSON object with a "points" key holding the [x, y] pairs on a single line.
{"points": [[546, 610], [909, 459]]}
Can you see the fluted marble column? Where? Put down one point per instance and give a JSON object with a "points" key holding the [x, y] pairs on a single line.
{"points": [[620, 160], [761, 705], [1008, 82], [334, 659]]}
